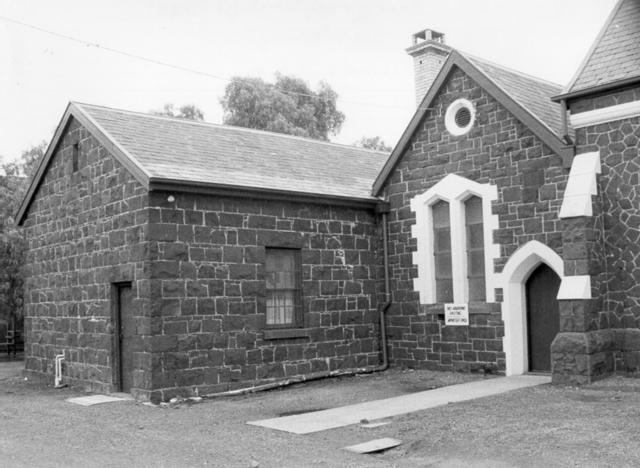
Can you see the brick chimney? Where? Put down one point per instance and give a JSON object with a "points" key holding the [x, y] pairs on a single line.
{"points": [[429, 53]]}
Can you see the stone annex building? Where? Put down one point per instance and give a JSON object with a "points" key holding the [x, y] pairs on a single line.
{"points": [[173, 257]]}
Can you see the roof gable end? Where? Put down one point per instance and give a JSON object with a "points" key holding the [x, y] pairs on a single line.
{"points": [[457, 60], [74, 110]]}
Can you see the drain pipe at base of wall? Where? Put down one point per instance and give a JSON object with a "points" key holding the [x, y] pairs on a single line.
{"points": [[58, 376], [382, 208]]}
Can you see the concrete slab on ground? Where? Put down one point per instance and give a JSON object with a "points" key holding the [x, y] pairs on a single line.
{"points": [[316, 421], [372, 446], [98, 399], [372, 425]]}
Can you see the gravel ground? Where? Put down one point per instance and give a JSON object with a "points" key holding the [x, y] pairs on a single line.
{"points": [[542, 426]]}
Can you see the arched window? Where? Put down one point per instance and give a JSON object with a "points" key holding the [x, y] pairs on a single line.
{"points": [[454, 236], [474, 231], [442, 251]]}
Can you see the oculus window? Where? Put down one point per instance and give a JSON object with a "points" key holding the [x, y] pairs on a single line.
{"points": [[460, 117]]}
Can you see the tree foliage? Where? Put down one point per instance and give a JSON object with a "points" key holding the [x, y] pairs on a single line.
{"points": [[286, 106], [186, 111], [12, 247], [373, 143], [13, 185], [15, 181]]}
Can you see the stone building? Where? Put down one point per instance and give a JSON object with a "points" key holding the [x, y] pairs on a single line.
{"points": [[167, 255], [501, 235]]}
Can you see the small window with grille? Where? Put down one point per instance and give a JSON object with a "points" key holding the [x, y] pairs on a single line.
{"points": [[283, 288]]}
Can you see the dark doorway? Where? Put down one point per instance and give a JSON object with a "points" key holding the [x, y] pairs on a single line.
{"points": [[125, 329], [543, 319]]}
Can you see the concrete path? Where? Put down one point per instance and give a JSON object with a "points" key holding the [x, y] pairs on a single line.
{"points": [[338, 417]]}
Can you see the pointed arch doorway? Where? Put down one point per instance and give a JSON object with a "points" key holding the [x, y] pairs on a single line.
{"points": [[543, 320], [518, 273]]}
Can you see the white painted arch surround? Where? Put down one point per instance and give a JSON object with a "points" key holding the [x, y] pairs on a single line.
{"points": [[514, 307], [453, 189]]}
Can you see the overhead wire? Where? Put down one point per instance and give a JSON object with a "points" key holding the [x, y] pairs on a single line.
{"points": [[172, 65]]}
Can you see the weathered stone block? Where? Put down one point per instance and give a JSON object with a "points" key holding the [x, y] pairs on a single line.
{"points": [[231, 219], [280, 239], [236, 357], [630, 338], [242, 272], [262, 222], [176, 251], [163, 343], [162, 232], [232, 254], [455, 334], [175, 328]]}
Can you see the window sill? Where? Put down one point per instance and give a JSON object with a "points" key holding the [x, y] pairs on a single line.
{"points": [[283, 333]]}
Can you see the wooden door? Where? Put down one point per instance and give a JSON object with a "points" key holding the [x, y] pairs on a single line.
{"points": [[543, 319], [126, 335]]}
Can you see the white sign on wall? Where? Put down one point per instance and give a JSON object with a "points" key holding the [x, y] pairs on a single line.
{"points": [[456, 314]]}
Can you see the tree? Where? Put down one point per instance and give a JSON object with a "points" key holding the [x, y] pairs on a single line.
{"points": [[12, 248], [373, 143], [186, 111], [286, 106], [15, 181], [13, 185]]}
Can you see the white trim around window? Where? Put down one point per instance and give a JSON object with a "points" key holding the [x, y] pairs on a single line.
{"points": [[455, 190]]}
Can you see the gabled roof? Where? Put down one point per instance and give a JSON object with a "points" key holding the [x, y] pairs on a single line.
{"points": [[614, 57], [526, 97], [163, 151], [533, 94]]}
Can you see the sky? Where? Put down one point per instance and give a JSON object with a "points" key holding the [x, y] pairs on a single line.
{"points": [[357, 46]]}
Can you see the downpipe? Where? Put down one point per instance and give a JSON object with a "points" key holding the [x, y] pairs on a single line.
{"points": [[387, 295]]}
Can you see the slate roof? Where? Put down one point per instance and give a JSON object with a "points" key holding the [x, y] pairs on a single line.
{"points": [[615, 54], [534, 94], [187, 151]]}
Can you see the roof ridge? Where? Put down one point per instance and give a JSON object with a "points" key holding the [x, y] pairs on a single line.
{"points": [[231, 127], [512, 70]]}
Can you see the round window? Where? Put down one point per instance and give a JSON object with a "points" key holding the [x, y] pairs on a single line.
{"points": [[460, 117]]}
